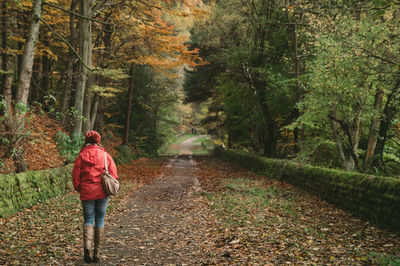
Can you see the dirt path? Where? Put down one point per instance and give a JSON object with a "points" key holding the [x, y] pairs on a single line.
{"points": [[206, 212], [165, 222], [184, 148]]}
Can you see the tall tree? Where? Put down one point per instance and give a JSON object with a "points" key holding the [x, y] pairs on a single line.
{"points": [[15, 113], [84, 48]]}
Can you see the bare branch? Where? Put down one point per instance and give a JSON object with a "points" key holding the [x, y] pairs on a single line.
{"points": [[76, 14], [69, 45], [98, 7]]}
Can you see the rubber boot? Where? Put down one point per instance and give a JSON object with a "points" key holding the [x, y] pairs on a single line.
{"points": [[98, 235], [87, 242]]}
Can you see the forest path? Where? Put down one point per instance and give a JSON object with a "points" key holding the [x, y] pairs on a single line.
{"points": [[202, 211], [165, 222], [187, 146]]}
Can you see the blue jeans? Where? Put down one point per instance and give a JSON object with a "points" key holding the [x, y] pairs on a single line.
{"points": [[94, 211]]}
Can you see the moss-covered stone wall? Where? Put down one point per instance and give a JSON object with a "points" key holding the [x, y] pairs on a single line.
{"points": [[370, 197], [23, 190]]}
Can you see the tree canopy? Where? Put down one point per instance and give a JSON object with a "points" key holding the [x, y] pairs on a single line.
{"points": [[291, 78]]}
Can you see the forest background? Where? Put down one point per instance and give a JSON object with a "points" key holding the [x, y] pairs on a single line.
{"points": [[313, 81]]}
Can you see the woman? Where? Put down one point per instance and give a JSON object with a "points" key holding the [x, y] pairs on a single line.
{"points": [[86, 177]]}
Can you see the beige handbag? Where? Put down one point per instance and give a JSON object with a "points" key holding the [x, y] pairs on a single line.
{"points": [[110, 184]]}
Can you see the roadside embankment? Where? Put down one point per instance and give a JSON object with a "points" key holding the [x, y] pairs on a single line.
{"points": [[371, 197]]}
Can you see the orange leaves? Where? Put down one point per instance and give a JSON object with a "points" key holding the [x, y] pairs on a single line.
{"points": [[149, 37], [40, 146], [143, 170]]}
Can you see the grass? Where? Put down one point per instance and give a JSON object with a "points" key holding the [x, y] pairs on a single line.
{"points": [[244, 201], [384, 259], [272, 222], [169, 152], [204, 146], [201, 146], [164, 149]]}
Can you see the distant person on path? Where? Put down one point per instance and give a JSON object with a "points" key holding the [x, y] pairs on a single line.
{"points": [[86, 177]]}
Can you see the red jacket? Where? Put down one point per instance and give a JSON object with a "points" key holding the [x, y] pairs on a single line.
{"points": [[88, 168]]}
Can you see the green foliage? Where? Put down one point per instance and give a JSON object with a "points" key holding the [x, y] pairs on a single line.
{"points": [[350, 67], [21, 108], [243, 78], [383, 259], [125, 155], [69, 147], [280, 71], [152, 142], [207, 143], [107, 92], [114, 74], [155, 111], [319, 152], [206, 146]]}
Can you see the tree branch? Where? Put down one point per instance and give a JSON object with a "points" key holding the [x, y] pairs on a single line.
{"points": [[97, 7], [378, 57], [76, 14], [340, 122], [69, 45]]}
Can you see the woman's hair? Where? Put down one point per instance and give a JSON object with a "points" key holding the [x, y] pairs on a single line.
{"points": [[90, 141], [92, 137]]}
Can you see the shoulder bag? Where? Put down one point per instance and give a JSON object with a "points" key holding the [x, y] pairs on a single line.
{"points": [[110, 184]]}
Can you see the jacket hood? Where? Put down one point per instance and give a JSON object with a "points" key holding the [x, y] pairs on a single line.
{"points": [[92, 154]]}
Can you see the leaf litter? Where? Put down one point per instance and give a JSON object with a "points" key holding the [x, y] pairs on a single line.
{"points": [[290, 227], [206, 213], [50, 233]]}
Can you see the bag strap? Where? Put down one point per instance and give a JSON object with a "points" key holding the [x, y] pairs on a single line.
{"points": [[105, 161]]}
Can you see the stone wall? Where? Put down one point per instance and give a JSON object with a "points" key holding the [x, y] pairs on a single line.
{"points": [[23, 190]]}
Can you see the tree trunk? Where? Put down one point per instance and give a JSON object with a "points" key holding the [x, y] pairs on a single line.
{"points": [[99, 122], [84, 34], [12, 126], [7, 93], [298, 133], [18, 123], [93, 115], [86, 110], [34, 87], [155, 111], [129, 109], [45, 83], [67, 88], [388, 115], [28, 56], [347, 164], [270, 134], [20, 45], [354, 140], [4, 35], [88, 93], [373, 131], [70, 65]]}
